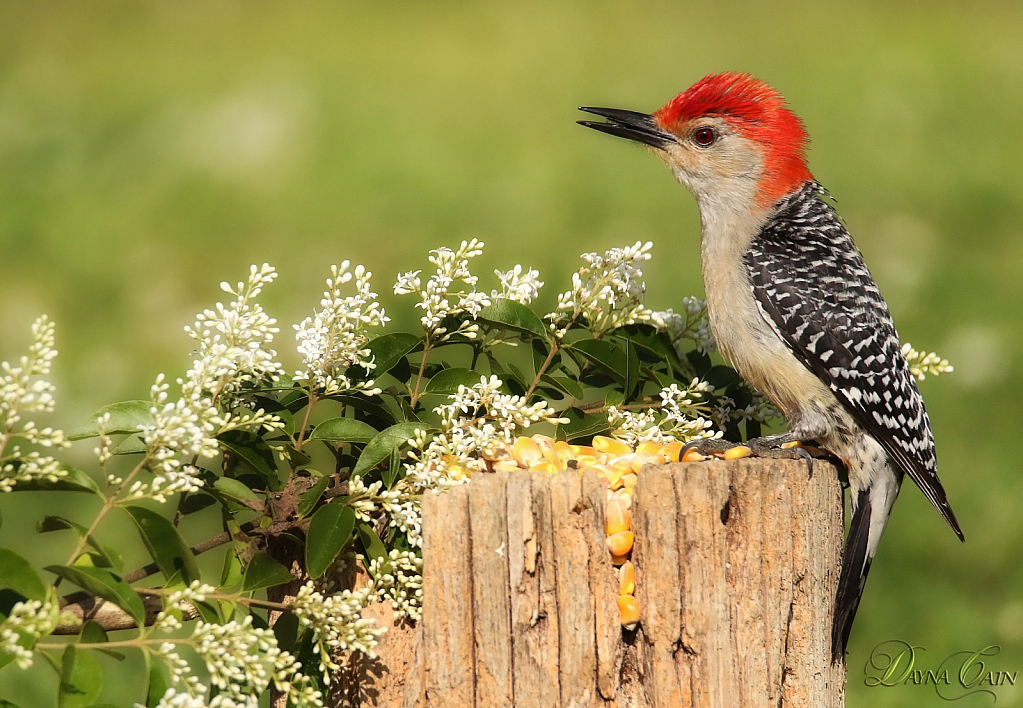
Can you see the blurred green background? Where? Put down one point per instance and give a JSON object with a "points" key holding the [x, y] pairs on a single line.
{"points": [[149, 150]]}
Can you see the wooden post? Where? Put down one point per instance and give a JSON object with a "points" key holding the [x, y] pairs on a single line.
{"points": [[736, 567]]}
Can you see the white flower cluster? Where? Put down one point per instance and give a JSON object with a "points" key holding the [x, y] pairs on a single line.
{"points": [[233, 350], [691, 323], [607, 292], [334, 338], [399, 578], [244, 660], [366, 502], [337, 622], [450, 291], [474, 421], [176, 699], [28, 622], [680, 416], [922, 364], [760, 409], [518, 284], [22, 392]]}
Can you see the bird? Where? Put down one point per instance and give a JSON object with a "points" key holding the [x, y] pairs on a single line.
{"points": [[792, 305]]}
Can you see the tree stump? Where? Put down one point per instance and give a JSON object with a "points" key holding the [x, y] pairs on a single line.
{"points": [[736, 569]]}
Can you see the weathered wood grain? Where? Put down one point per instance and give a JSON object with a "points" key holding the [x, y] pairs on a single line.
{"points": [[448, 641], [491, 614], [736, 564]]}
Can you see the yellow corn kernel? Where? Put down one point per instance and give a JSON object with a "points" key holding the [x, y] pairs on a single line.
{"points": [[628, 608], [643, 458], [737, 452], [620, 543], [617, 517], [693, 456], [672, 450], [610, 445], [649, 447], [545, 466], [629, 480], [526, 452], [588, 460], [627, 579], [603, 470], [794, 443], [623, 463], [505, 466], [545, 443], [624, 496], [584, 450], [619, 560], [613, 478]]}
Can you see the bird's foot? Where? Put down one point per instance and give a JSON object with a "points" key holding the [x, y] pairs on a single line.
{"points": [[783, 447]]}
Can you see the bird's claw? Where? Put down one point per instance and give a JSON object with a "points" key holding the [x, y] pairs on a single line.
{"points": [[758, 447]]}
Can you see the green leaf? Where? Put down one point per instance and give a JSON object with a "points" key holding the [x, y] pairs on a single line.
{"points": [[565, 384], [74, 481], [287, 629], [721, 377], [109, 557], [234, 489], [196, 501], [131, 445], [509, 314], [606, 355], [386, 352], [614, 398], [582, 424], [655, 343], [81, 679], [329, 530], [231, 575], [58, 523], [379, 448], [393, 472], [370, 406], [106, 585], [159, 680], [93, 633], [265, 572], [4, 703], [311, 496], [372, 546], [125, 417], [631, 370], [255, 452], [17, 574], [339, 430], [447, 381], [165, 544], [700, 361]]}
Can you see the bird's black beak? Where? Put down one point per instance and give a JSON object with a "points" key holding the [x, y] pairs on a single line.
{"points": [[628, 124]]}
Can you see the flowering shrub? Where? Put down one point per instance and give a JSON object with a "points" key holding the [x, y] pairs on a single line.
{"points": [[330, 462]]}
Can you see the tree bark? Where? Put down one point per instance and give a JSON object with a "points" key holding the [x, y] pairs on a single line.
{"points": [[736, 569]]}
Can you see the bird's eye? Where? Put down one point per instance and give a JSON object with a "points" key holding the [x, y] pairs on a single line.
{"points": [[704, 137]]}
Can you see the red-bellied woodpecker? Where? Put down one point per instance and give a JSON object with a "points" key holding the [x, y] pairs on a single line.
{"points": [[791, 304]]}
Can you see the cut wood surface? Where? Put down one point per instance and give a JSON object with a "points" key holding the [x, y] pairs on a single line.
{"points": [[736, 568]]}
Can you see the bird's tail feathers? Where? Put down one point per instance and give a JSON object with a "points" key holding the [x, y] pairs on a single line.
{"points": [[855, 566]]}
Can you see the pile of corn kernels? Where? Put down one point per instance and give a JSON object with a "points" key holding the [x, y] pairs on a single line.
{"points": [[618, 465]]}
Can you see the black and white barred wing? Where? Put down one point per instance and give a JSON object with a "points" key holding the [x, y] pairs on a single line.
{"points": [[812, 285]]}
